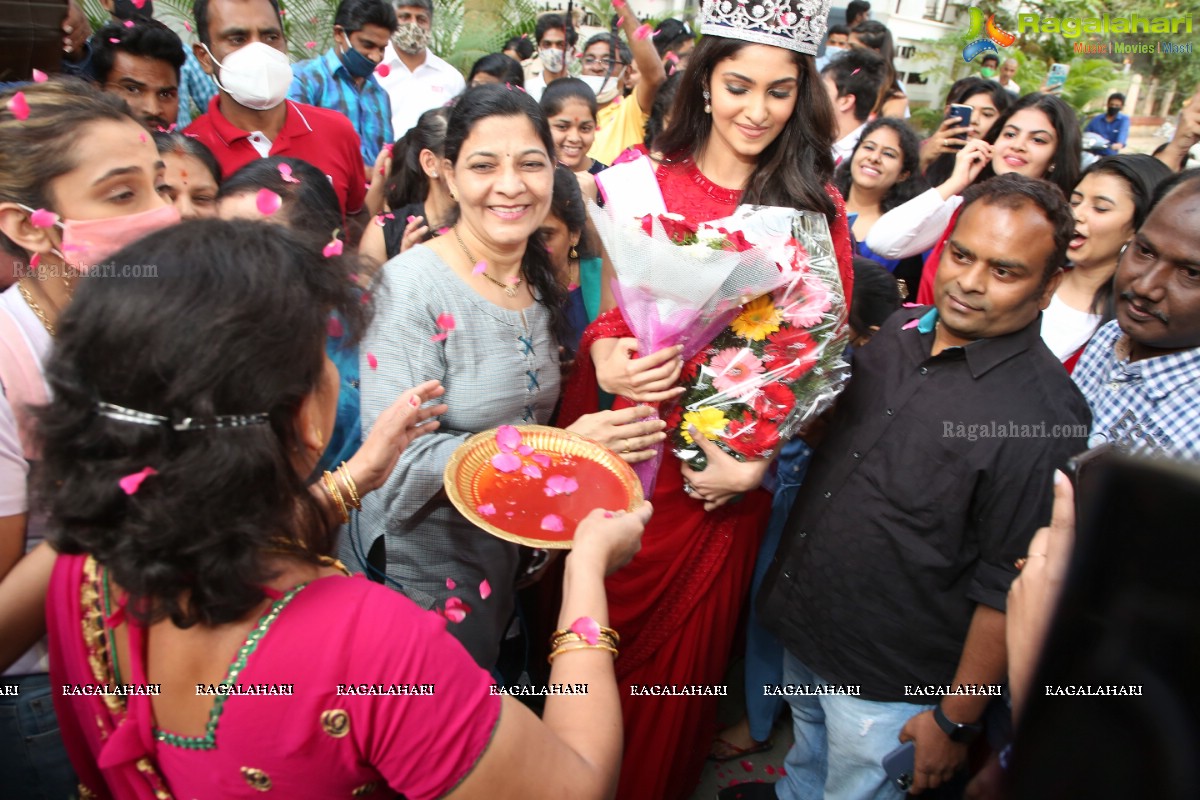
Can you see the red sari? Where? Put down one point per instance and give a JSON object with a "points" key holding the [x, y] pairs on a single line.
{"points": [[677, 604]]}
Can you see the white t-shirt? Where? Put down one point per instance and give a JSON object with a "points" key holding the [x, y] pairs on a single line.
{"points": [[14, 469], [1065, 330], [413, 92]]}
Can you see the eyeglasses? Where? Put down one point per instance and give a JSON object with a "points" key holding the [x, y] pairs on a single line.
{"points": [[137, 92], [591, 61]]}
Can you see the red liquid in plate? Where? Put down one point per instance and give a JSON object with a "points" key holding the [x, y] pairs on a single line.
{"points": [[521, 501]]}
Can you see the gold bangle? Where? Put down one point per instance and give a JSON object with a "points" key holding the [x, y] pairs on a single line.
{"points": [[550, 658], [344, 472], [336, 495], [571, 636], [609, 632]]}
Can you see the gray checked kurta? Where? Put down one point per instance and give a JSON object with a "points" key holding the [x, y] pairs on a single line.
{"points": [[499, 367]]}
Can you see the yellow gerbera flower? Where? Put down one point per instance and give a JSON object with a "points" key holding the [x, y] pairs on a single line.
{"points": [[758, 320], [709, 421]]}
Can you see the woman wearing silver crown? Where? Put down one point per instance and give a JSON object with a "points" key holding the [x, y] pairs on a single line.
{"points": [[751, 124]]}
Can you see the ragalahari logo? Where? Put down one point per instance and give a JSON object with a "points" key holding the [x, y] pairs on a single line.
{"points": [[985, 36]]}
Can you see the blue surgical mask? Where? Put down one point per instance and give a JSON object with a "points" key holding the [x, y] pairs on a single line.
{"points": [[358, 65]]}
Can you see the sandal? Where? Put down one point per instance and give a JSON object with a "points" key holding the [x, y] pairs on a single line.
{"points": [[723, 750]]}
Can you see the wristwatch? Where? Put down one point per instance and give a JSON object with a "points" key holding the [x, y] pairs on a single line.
{"points": [[957, 731]]}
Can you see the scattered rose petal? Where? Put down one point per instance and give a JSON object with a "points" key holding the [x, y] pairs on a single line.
{"points": [[525, 450], [588, 628], [34, 260], [486, 510], [285, 171], [560, 484], [480, 268], [671, 58], [142, 139], [506, 462], [621, 21], [131, 483], [267, 202], [746, 765], [334, 327], [532, 470], [383, 70], [485, 589], [39, 76], [445, 322], [542, 459], [553, 523], [912, 323], [856, 71], [372, 361], [187, 26], [380, 220], [19, 106], [456, 610], [410, 219], [43, 218], [437, 337], [442, 231], [139, 3], [334, 248], [514, 280], [128, 23], [619, 4], [114, 40], [643, 32], [450, 584], [608, 515], [910, 305], [572, 286], [310, 45], [508, 438]]}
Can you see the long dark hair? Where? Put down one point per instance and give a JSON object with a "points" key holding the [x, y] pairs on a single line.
{"points": [[910, 156], [494, 100], [309, 204], [1063, 171], [961, 91], [567, 205], [407, 182], [878, 37], [233, 323], [794, 169]]}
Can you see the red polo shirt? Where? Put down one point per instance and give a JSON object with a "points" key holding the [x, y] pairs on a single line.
{"points": [[323, 138]]}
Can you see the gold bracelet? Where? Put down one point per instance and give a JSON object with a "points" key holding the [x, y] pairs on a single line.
{"points": [[609, 632], [336, 495], [572, 636], [550, 658], [344, 472]]}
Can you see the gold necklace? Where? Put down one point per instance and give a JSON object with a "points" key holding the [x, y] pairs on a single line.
{"points": [[33, 305], [509, 289], [292, 548]]}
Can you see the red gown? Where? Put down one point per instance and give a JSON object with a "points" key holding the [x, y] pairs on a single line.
{"points": [[676, 606]]}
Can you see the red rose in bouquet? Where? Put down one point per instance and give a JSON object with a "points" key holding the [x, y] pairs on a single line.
{"points": [[753, 439], [680, 231]]}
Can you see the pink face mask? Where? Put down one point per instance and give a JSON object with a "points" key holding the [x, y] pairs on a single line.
{"points": [[88, 242]]}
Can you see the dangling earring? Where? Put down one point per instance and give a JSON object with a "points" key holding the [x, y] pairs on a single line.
{"points": [[320, 439], [707, 101], [574, 254]]}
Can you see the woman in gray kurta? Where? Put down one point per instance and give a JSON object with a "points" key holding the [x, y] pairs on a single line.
{"points": [[497, 359]]}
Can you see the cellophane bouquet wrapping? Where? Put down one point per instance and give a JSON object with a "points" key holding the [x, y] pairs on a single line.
{"points": [[680, 282], [778, 364]]}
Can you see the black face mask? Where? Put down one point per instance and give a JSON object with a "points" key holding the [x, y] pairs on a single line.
{"points": [[125, 9], [1114, 110]]}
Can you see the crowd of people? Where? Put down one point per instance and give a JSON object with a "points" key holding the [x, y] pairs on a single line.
{"points": [[255, 307]]}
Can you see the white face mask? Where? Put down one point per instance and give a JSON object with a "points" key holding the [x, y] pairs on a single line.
{"points": [[605, 88], [552, 59], [256, 76]]}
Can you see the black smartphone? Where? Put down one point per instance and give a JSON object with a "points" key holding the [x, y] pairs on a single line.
{"points": [[963, 114], [1080, 471], [900, 764]]}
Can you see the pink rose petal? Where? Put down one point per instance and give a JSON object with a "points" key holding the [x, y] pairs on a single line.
{"points": [[285, 170], [525, 450], [334, 327], [187, 26], [588, 628], [553, 523], [128, 23], [19, 106], [445, 322], [43, 218], [383, 70], [480, 268], [643, 32], [131, 483], [542, 459], [910, 305], [485, 589], [514, 280], [39, 76], [442, 231], [34, 260], [507, 438], [372, 361], [621, 21], [560, 484], [310, 45], [410, 219], [138, 3], [486, 510], [114, 40], [437, 337], [450, 584], [267, 202], [532, 470], [506, 462], [334, 248], [912, 323], [671, 58], [380, 220], [618, 4]]}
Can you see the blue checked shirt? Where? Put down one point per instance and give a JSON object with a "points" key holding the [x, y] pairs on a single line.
{"points": [[1151, 406], [324, 82], [196, 88]]}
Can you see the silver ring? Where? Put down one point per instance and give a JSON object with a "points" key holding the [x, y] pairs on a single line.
{"points": [[688, 489]]}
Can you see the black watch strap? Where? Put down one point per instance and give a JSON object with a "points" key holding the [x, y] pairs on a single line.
{"points": [[957, 731]]}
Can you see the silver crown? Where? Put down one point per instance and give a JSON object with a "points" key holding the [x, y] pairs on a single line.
{"points": [[795, 24]]}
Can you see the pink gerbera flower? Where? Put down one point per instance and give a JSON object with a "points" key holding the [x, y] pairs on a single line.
{"points": [[735, 369]]}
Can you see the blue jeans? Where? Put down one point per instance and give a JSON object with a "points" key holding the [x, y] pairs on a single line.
{"points": [[33, 761], [764, 653], [840, 743]]}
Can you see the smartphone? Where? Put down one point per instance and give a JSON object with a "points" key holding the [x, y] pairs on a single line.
{"points": [[900, 764], [963, 114], [1057, 76]]}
